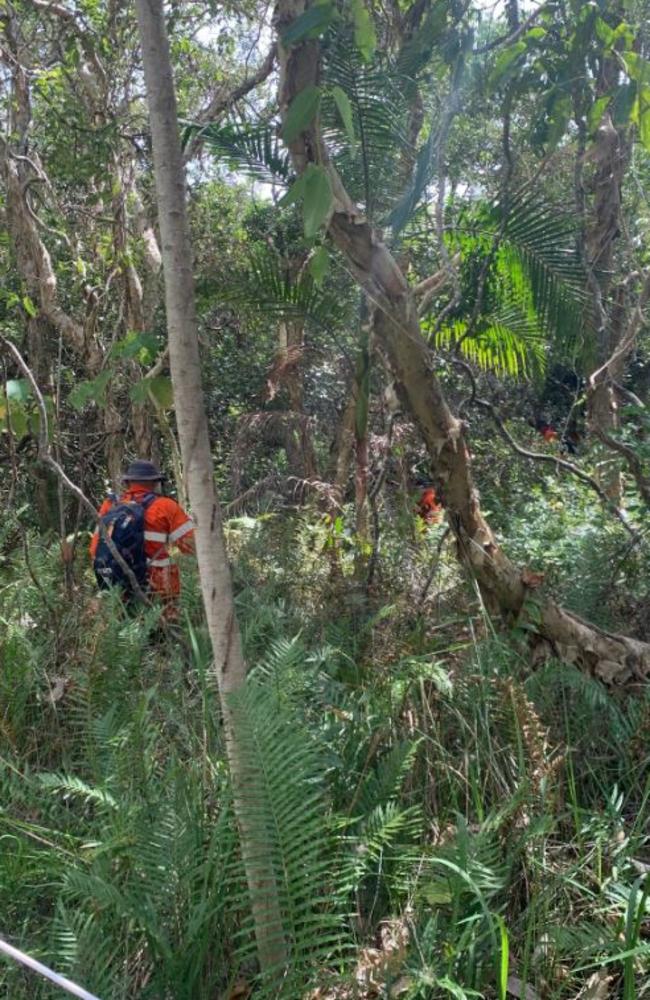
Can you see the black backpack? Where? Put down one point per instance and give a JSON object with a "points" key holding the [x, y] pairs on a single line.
{"points": [[124, 525]]}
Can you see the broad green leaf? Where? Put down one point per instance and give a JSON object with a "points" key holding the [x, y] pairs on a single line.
{"points": [[604, 32], [312, 23], [535, 34], [302, 111], [317, 199], [295, 193], [29, 307], [641, 115], [319, 265], [161, 390], [505, 63], [18, 419], [596, 112], [345, 111], [624, 99], [558, 121], [365, 36], [90, 391], [139, 391], [135, 343], [638, 68], [18, 389]]}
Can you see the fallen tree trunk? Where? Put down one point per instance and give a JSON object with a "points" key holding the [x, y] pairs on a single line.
{"points": [[506, 589]]}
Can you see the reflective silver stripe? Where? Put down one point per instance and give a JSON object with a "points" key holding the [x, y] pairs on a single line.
{"points": [[155, 536], [183, 530], [159, 562]]}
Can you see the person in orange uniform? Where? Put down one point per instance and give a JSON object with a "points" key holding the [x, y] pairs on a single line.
{"points": [[166, 525], [428, 508]]}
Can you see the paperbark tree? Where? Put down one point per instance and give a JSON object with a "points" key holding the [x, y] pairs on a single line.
{"points": [[216, 584], [615, 659]]}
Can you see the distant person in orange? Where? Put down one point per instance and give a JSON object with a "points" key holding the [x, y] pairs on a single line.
{"points": [[546, 429], [428, 508], [143, 525]]}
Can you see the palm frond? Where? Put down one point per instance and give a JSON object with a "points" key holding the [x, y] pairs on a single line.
{"points": [[253, 150], [267, 286], [538, 249], [502, 343], [376, 95]]}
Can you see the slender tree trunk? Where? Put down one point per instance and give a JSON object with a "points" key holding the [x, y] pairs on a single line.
{"points": [[214, 571], [362, 402], [616, 659]]}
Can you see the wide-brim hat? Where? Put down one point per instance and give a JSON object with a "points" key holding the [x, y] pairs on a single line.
{"points": [[142, 471]]}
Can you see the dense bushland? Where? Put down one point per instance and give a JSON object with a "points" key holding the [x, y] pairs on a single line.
{"points": [[444, 818]]}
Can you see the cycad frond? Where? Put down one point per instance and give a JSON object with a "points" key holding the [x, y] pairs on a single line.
{"points": [[285, 812]]}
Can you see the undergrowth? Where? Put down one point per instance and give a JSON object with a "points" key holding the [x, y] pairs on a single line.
{"points": [[442, 820]]}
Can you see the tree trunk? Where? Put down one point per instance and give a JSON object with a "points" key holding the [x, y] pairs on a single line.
{"points": [[614, 658], [214, 570]]}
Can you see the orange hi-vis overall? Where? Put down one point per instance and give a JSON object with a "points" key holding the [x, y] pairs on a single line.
{"points": [[165, 524]]}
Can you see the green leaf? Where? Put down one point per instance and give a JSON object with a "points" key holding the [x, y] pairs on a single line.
{"points": [[302, 111], [535, 34], [92, 390], [18, 419], [505, 63], [596, 112], [558, 121], [319, 265], [135, 344], [18, 389], [641, 115], [624, 99], [295, 193], [604, 32], [365, 36], [161, 390], [317, 199], [345, 111], [311, 24], [638, 68], [29, 307]]}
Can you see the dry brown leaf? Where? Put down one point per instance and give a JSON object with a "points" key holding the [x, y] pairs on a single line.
{"points": [[517, 988], [57, 689], [240, 991], [596, 987]]}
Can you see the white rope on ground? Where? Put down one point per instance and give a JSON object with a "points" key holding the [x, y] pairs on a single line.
{"points": [[31, 963]]}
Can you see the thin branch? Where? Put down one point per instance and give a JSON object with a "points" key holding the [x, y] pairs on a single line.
{"points": [[513, 35], [634, 464], [537, 456], [223, 102]]}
